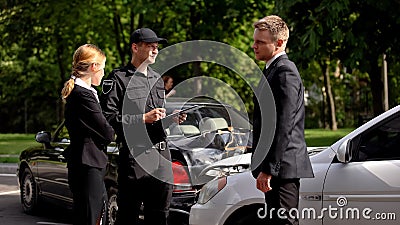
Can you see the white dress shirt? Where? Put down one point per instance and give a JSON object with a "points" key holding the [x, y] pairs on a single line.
{"points": [[273, 58], [80, 82]]}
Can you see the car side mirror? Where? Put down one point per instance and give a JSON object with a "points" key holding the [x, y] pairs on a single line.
{"points": [[43, 137], [344, 152]]}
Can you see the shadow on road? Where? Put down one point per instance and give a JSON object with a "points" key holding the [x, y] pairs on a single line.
{"points": [[54, 213]]}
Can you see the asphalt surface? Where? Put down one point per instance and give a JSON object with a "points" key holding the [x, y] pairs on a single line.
{"points": [[8, 168]]}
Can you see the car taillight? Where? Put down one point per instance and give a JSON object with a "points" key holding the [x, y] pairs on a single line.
{"points": [[181, 177]]}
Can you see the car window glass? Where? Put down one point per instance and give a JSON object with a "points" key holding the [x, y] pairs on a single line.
{"points": [[191, 119], [61, 134], [232, 117], [381, 142], [215, 112], [216, 126]]}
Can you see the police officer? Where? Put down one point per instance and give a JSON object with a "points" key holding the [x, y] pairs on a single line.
{"points": [[133, 102]]}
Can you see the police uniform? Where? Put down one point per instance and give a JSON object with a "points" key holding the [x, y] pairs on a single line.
{"points": [[127, 95]]}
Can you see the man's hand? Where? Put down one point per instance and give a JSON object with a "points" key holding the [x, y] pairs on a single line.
{"points": [[179, 119], [264, 182], [154, 115]]}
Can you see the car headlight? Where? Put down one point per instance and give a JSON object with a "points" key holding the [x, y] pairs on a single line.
{"points": [[210, 189]]}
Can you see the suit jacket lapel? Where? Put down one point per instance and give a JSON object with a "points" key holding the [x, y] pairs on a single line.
{"points": [[270, 71], [267, 73]]}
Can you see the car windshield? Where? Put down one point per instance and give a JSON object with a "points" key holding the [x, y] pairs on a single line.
{"points": [[210, 116], [212, 132]]}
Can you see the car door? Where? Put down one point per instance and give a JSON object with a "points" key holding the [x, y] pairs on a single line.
{"points": [[367, 189], [52, 168]]}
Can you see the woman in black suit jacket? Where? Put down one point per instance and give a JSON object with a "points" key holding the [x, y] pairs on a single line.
{"points": [[89, 133]]}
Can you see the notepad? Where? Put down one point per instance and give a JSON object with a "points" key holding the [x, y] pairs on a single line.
{"points": [[186, 110]]}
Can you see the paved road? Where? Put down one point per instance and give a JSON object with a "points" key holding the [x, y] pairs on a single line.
{"points": [[8, 168], [10, 208]]}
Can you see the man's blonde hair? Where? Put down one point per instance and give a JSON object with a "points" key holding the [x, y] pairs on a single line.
{"points": [[275, 25]]}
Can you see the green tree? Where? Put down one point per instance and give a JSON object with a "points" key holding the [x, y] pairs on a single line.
{"points": [[39, 37], [354, 32], [38, 42]]}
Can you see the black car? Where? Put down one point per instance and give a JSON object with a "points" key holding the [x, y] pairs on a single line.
{"points": [[210, 133]]}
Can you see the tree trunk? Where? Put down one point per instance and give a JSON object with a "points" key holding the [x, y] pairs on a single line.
{"points": [[118, 36], [198, 88], [192, 34], [63, 72], [329, 98], [376, 88]]}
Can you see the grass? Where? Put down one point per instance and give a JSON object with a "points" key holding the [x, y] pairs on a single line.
{"points": [[323, 137], [11, 145], [12, 159]]}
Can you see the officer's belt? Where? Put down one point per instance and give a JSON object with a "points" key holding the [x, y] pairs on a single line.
{"points": [[162, 145]]}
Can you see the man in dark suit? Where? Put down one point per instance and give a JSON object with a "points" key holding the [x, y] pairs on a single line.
{"points": [[279, 173]]}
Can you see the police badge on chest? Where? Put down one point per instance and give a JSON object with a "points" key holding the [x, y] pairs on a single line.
{"points": [[107, 86]]}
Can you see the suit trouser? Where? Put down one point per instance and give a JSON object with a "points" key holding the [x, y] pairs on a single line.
{"points": [[283, 197], [89, 194], [136, 187]]}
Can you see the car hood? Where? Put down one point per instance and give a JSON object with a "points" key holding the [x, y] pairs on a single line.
{"points": [[244, 161]]}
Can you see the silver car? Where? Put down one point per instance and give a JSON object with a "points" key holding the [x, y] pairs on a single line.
{"points": [[356, 181]]}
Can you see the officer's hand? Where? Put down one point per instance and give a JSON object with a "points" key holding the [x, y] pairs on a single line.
{"points": [[180, 118], [154, 115]]}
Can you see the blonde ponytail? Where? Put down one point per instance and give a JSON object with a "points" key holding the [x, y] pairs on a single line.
{"points": [[83, 57], [68, 86]]}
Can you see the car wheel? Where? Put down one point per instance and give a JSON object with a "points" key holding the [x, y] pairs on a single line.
{"points": [[112, 206], [28, 190], [246, 215]]}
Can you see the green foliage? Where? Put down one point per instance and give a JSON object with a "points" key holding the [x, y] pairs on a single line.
{"points": [[40, 36], [354, 32]]}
